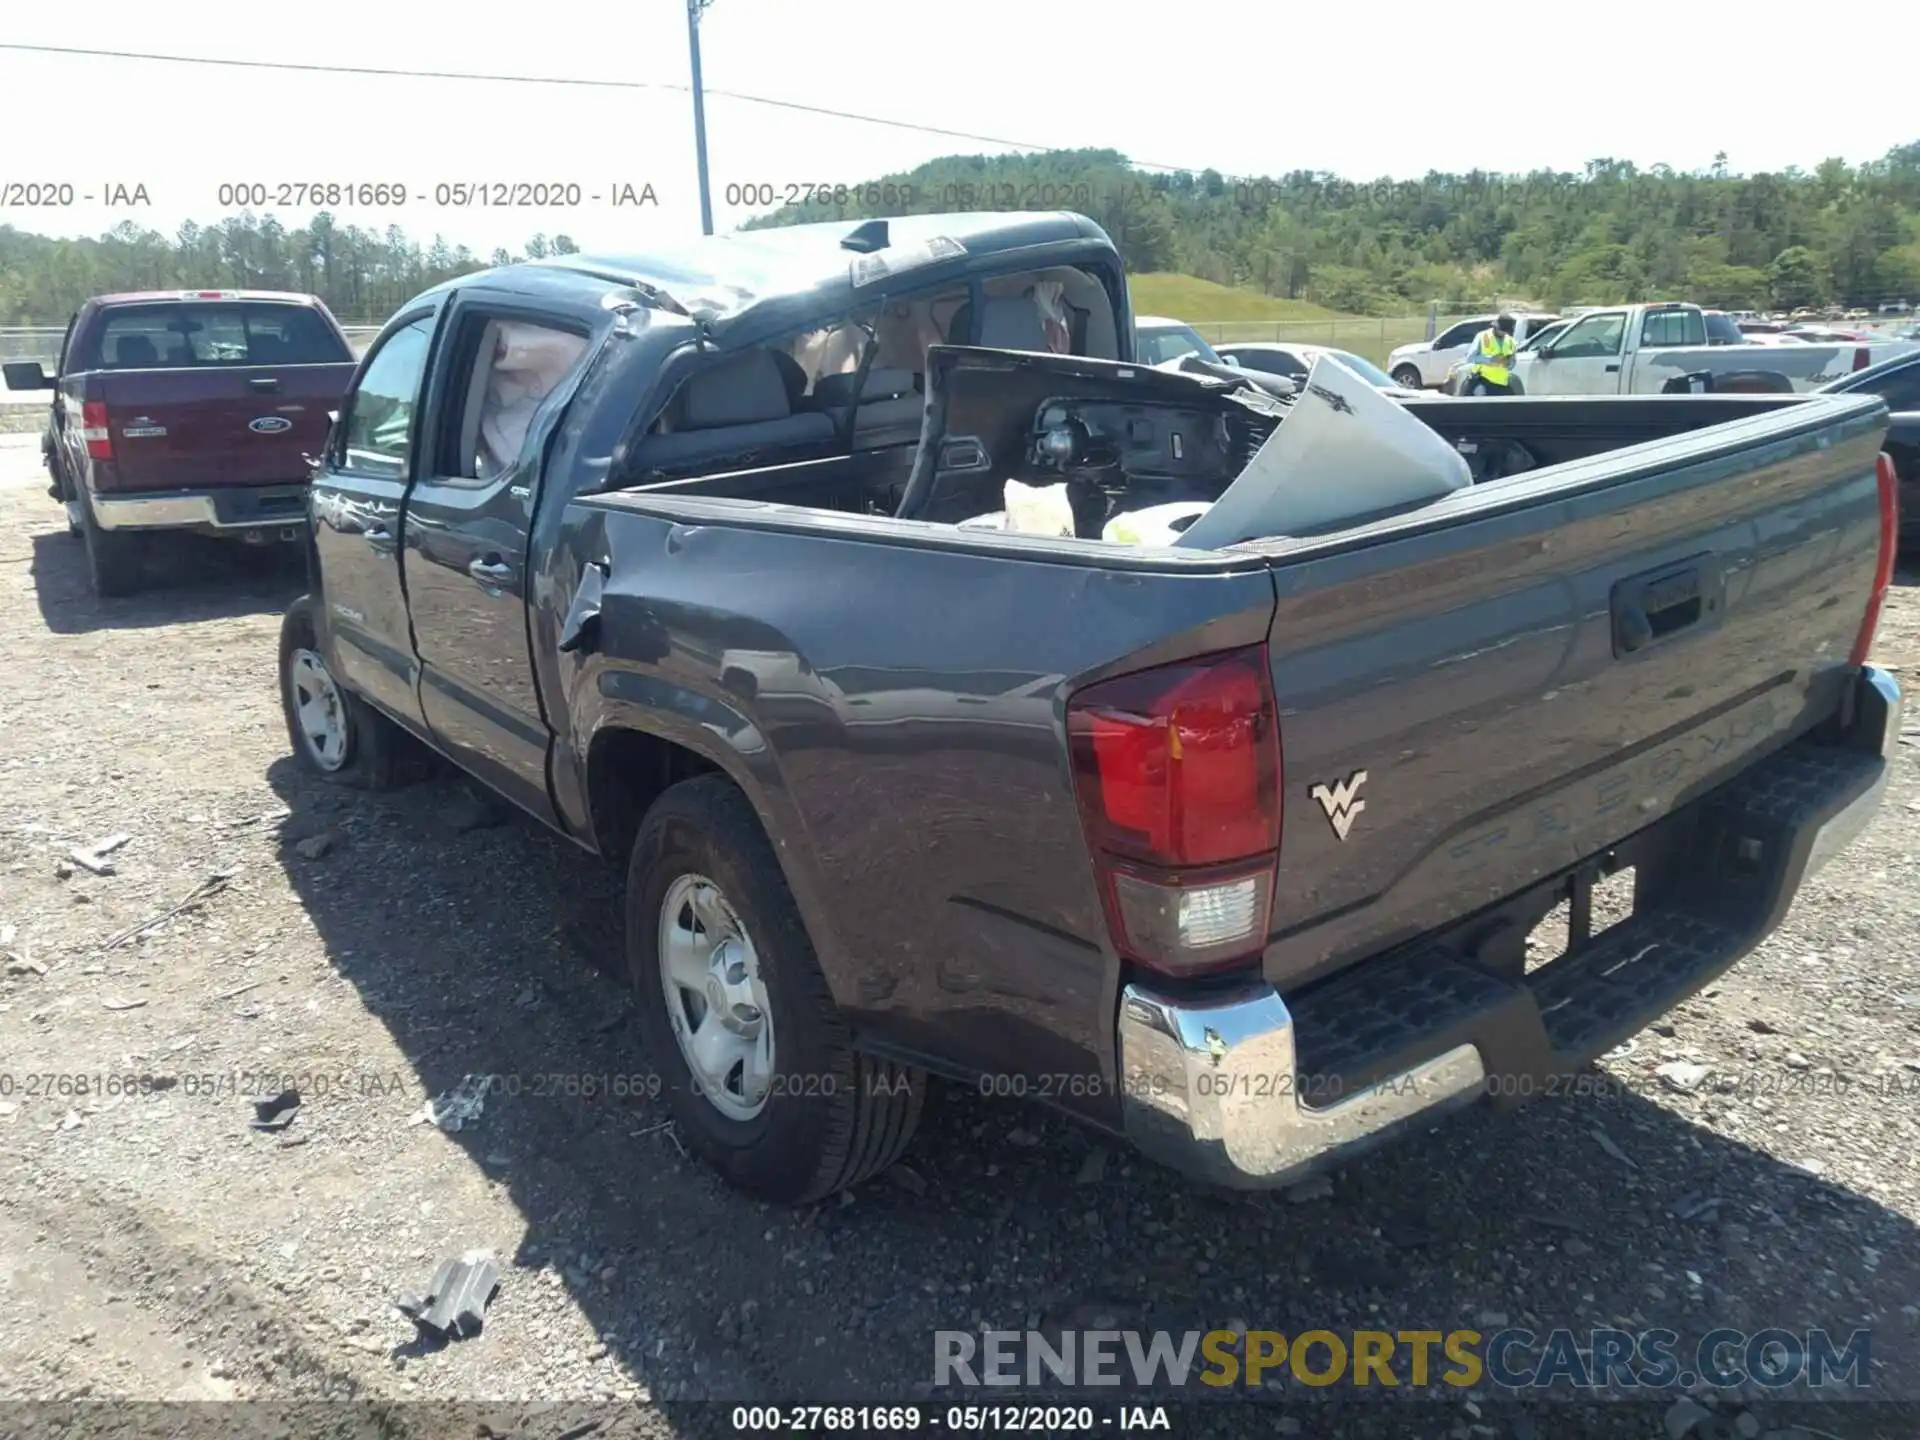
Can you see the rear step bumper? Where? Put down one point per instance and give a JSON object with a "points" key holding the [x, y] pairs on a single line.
{"points": [[225, 509], [1247, 1090]]}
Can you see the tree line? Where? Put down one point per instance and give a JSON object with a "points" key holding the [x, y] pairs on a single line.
{"points": [[364, 275], [1613, 232]]}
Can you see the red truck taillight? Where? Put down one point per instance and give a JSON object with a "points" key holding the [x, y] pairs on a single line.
{"points": [[1883, 563], [1862, 357], [1177, 771], [93, 423]]}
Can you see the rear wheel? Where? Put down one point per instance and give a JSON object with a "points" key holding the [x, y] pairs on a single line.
{"points": [[1408, 378], [116, 559], [336, 735], [759, 1069]]}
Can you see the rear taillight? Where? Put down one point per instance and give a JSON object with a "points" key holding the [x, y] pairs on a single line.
{"points": [[93, 429], [1883, 563], [1862, 358], [1178, 775]]}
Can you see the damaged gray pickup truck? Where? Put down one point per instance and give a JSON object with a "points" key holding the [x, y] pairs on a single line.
{"points": [[1227, 839]]}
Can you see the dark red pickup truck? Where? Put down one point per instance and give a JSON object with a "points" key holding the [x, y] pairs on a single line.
{"points": [[187, 411]]}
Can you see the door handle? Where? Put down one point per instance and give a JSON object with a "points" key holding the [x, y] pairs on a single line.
{"points": [[490, 570], [263, 382], [1613, 369], [1654, 607]]}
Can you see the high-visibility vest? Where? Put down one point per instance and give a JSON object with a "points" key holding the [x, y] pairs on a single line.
{"points": [[1492, 355]]}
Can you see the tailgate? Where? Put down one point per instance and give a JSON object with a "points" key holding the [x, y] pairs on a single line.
{"points": [[1470, 709], [209, 427]]}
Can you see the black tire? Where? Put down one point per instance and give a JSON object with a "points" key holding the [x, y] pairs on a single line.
{"points": [[378, 754], [1408, 378], [834, 1117], [116, 559]]}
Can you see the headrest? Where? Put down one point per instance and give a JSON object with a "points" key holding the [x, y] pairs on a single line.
{"points": [[1012, 323], [882, 384], [746, 390], [135, 350]]}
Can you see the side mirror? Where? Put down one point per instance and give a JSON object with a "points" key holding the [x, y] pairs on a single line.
{"points": [[27, 375], [1233, 360]]}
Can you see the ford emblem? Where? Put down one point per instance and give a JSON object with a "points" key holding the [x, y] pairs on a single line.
{"points": [[270, 425]]}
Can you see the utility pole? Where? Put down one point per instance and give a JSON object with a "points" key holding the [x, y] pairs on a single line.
{"points": [[694, 10]]}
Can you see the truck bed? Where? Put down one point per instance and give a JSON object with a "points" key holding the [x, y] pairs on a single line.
{"points": [[899, 686]]}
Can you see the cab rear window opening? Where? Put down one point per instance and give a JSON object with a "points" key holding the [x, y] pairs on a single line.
{"points": [[795, 398], [176, 337]]}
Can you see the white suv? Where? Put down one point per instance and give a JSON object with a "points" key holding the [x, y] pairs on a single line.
{"points": [[1424, 364]]}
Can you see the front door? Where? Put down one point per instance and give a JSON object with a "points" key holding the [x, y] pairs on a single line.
{"points": [[468, 518], [356, 513], [1584, 360]]}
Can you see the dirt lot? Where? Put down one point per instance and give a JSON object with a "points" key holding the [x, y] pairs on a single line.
{"points": [[153, 1246]]}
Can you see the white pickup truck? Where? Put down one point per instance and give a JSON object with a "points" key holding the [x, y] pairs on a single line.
{"points": [[1650, 349]]}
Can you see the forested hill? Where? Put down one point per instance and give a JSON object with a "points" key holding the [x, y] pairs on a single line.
{"points": [[362, 274], [1835, 234], [1611, 233]]}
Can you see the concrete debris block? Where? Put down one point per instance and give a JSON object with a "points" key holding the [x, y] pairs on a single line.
{"points": [[275, 1112], [454, 1304], [314, 846], [1683, 1075]]}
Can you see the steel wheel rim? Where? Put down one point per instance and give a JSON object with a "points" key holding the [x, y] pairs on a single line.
{"points": [[716, 1000], [1408, 379], [319, 712]]}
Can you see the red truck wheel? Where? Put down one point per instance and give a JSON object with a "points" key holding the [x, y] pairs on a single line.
{"points": [[116, 559], [755, 1060]]}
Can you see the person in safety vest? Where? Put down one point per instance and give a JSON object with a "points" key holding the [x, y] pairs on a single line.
{"points": [[1490, 361]]}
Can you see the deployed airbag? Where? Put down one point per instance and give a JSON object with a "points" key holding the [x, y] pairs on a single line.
{"points": [[528, 361], [1344, 453]]}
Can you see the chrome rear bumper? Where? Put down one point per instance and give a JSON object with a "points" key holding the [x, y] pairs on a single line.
{"points": [[230, 508], [1213, 1090]]}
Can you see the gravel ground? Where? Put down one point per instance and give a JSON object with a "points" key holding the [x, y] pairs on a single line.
{"points": [[154, 1247]]}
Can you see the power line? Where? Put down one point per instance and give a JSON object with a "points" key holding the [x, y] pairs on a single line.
{"points": [[578, 81]]}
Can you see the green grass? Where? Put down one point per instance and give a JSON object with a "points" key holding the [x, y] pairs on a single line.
{"points": [[1189, 298], [1222, 313]]}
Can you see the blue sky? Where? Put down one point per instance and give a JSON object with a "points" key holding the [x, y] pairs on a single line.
{"points": [[1248, 89]]}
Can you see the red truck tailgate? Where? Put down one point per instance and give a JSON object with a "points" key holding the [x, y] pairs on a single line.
{"points": [[202, 390], [194, 428]]}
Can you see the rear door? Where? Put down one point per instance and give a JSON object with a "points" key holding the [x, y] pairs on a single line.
{"points": [[206, 394], [355, 499], [468, 517]]}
